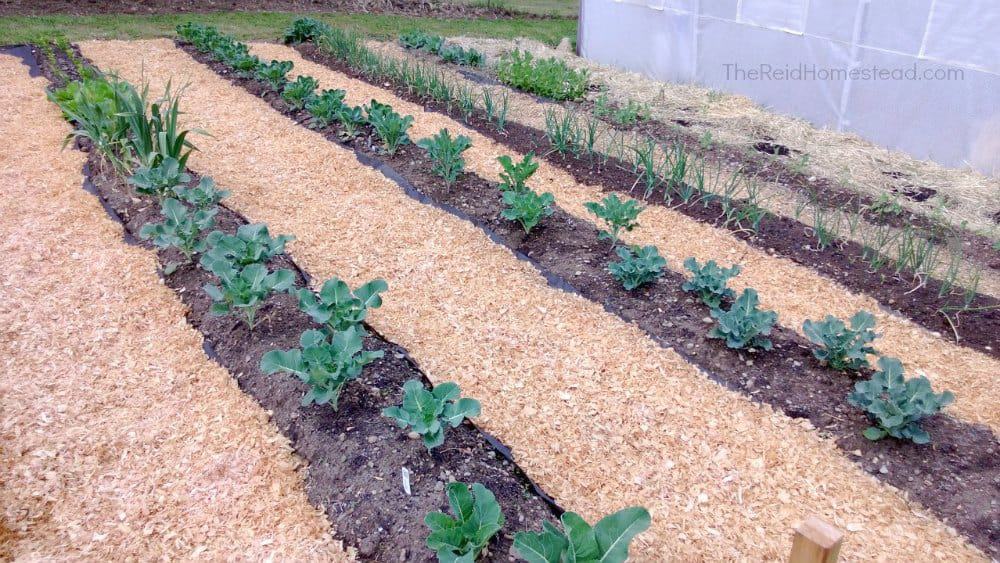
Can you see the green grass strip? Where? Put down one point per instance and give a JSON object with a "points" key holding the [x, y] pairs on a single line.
{"points": [[266, 25]]}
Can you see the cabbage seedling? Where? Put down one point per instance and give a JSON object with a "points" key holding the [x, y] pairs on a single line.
{"points": [[389, 125], [461, 538], [515, 175], [896, 405], [299, 92], [619, 216], [274, 74], [324, 362], [181, 229], [527, 208], [709, 281], [160, 180], [243, 291], [325, 107], [840, 347], [252, 244], [638, 266], [606, 542], [744, 324], [203, 196], [446, 154], [430, 412], [336, 307]]}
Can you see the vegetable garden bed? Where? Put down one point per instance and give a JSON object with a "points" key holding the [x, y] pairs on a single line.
{"points": [[536, 358], [352, 451], [956, 477]]}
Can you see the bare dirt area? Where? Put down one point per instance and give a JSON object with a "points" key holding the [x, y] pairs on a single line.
{"points": [[424, 8]]}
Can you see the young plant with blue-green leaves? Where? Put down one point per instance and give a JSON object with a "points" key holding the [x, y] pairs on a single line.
{"points": [[709, 281], [202, 196], [430, 412], [462, 537], [839, 346], [304, 30], [579, 542], [181, 229], [252, 244], [299, 92], [527, 208], [896, 405], [515, 175], [744, 324], [161, 180], [617, 214], [445, 153], [325, 107], [637, 266], [242, 291], [351, 119], [338, 308], [420, 40], [389, 126], [274, 73], [325, 362]]}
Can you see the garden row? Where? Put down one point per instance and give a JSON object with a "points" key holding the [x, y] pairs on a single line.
{"points": [[889, 237], [144, 143], [741, 324], [918, 269], [558, 376], [894, 405], [93, 458]]}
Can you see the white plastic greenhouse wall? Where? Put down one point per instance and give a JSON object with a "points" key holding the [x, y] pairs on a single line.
{"points": [[922, 76]]}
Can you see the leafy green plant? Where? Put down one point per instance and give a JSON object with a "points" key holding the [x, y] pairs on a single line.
{"points": [[242, 291], [461, 538], [550, 77], [252, 244], [203, 196], [351, 119], [389, 125], [627, 115], [160, 180], [181, 228], [459, 55], [421, 40], [515, 175], [446, 154], [300, 91], [840, 347], [274, 73], [337, 307], [637, 266], [324, 362], [605, 542], [709, 281], [744, 324], [428, 413], [325, 107], [155, 134], [304, 30], [95, 106], [245, 66], [895, 405], [617, 214], [527, 208]]}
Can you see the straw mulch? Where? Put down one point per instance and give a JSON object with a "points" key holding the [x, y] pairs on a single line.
{"points": [[119, 438], [596, 412], [796, 292]]}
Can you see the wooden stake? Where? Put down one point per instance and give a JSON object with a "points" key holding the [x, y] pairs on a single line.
{"points": [[816, 542]]}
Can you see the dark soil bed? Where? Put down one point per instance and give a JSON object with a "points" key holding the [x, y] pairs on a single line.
{"points": [[404, 7], [775, 163], [355, 455], [958, 477], [977, 329]]}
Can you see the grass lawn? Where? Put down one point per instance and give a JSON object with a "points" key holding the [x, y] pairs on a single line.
{"points": [[564, 8], [268, 25]]}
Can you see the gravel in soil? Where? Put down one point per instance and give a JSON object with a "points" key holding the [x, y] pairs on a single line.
{"points": [[958, 477]]}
